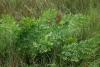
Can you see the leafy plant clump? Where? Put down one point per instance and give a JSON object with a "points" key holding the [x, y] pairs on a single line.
{"points": [[46, 40]]}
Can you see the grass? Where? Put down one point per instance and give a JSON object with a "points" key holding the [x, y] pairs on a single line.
{"points": [[34, 8]]}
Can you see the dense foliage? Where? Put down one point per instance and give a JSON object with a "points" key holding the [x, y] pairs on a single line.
{"points": [[71, 41]]}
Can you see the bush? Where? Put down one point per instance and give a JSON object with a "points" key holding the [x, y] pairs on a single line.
{"points": [[44, 41]]}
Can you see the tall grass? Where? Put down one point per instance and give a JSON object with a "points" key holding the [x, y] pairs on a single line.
{"points": [[34, 8]]}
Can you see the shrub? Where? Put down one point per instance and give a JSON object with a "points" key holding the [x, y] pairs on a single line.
{"points": [[44, 41]]}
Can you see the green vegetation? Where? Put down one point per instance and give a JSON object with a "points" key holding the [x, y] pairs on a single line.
{"points": [[64, 33], [35, 8]]}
